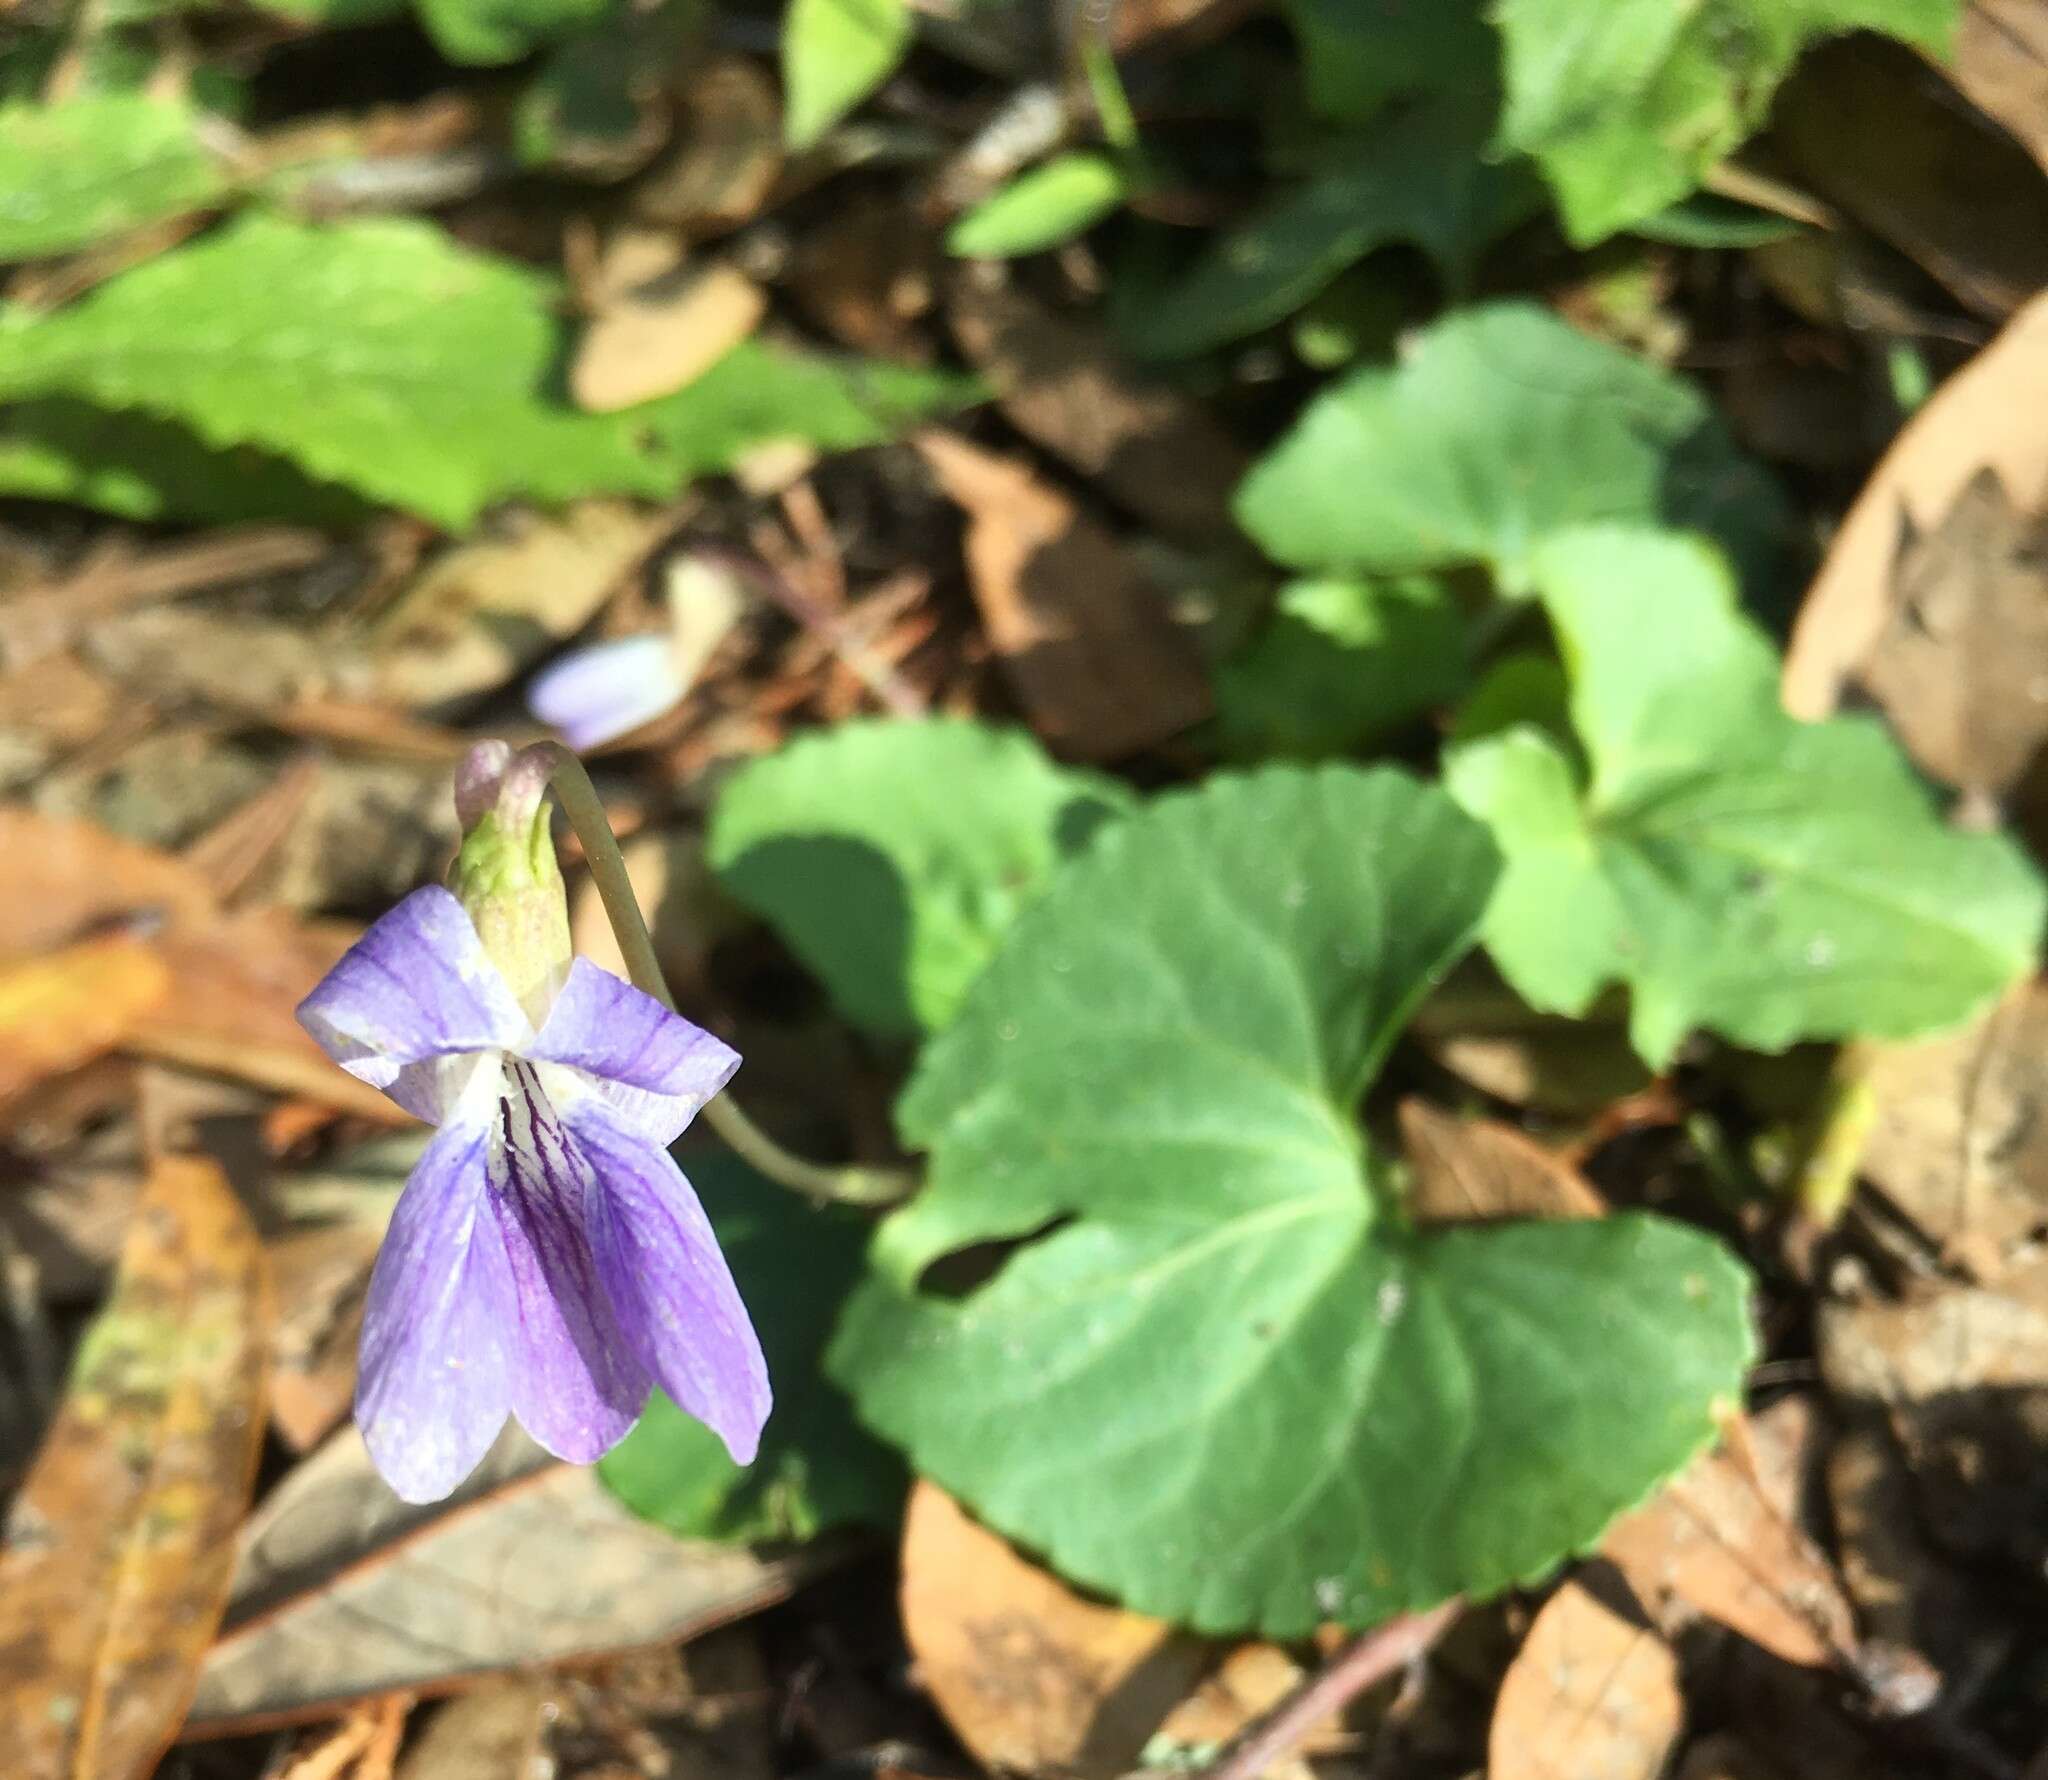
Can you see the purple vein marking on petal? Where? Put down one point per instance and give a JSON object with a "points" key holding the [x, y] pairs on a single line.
{"points": [[414, 990], [669, 1282], [431, 1393], [653, 1066], [576, 1383]]}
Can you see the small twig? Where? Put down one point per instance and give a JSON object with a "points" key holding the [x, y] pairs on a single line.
{"points": [[847, 1184], [1361, 1663]]}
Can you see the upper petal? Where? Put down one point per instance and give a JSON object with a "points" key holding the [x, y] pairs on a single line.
{"points": [[670, 1287], [414, 990], [577, 1383], [431, 1393], [654, 1067], [594, 694]]}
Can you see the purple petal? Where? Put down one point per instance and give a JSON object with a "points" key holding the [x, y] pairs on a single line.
{"points": [[654, 1067], [431, 1393], [577, 1383], [413, 992], [596, 694], [669, 1284]]}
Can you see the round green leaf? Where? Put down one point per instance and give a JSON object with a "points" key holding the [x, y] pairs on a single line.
{"points": [[1220, 1381]]}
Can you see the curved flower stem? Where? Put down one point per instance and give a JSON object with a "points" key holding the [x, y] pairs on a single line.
{"points": [[847, 1184]]}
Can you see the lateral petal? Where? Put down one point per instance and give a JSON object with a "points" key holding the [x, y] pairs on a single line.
{"points": [[431, 1390], [653, 1066], [411, 998], [669, 1284]]}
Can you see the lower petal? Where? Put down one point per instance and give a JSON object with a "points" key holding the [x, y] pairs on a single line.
{"points": [[669, 1284], [431, 1390], [577, 1384]]}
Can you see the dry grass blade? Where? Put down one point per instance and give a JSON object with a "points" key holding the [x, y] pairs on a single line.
{"points": [[120, 1545]]}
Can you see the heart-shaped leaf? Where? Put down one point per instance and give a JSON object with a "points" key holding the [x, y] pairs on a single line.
{"points": [[1502, 426], [1229, 1387], [892, 855], [1768, 879]]}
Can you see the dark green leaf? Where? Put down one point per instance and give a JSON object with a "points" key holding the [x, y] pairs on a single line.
{"points": [[1219, 1381]]}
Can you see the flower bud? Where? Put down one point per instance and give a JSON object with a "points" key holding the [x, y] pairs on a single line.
{"points": [[506, 875]]}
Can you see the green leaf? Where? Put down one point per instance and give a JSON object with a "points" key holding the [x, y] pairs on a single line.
{"points": [[374, 354], [1502, 426], [382, 357], [834, 54], [1417, 177], [893, 855], [140, 468], [1220, 1381], [1342, 664], [487, 32], [73, 173], [1358, 54], [794, 1264], [1708, 220], [1766, 879], [759, 394], [1627, 105], [1042, 208]]}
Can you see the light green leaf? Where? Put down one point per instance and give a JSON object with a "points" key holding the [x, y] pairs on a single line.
{"points": [[1042, 208], [374, 354], [1502, 426], [1419, 176], [1341, 664], [1357, 57], [794, 1264], [1228, 1387], [834, 54], [1627, 105], [73, 173], [487, 32], [893, 855], [1765, 879], [759, 394], [382, 357], [138, 467]]}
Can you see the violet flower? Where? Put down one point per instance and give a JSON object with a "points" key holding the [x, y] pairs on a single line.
{"points": [[547, 1259]]}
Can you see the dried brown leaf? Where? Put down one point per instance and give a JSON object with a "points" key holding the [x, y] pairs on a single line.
{"points": [[1710, 1543], [70, 1006], [1960, 1139], [1961, 666], [343, 1592], [1590, 1696], [1871, 129], [1157, 453], [60, 879], [1465, 1170], [726, 154], [1083, 633], [485, 609], [653, 340], [1030, 1675], [119, 1547], [1961, 1375], [1981, 418], [2000, 61]]}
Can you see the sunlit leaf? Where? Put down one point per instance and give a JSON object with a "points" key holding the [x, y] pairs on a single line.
{"points": [[75, 172], [1740, 871], [1220, 1380], [834, 54], [1040, 209]]}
